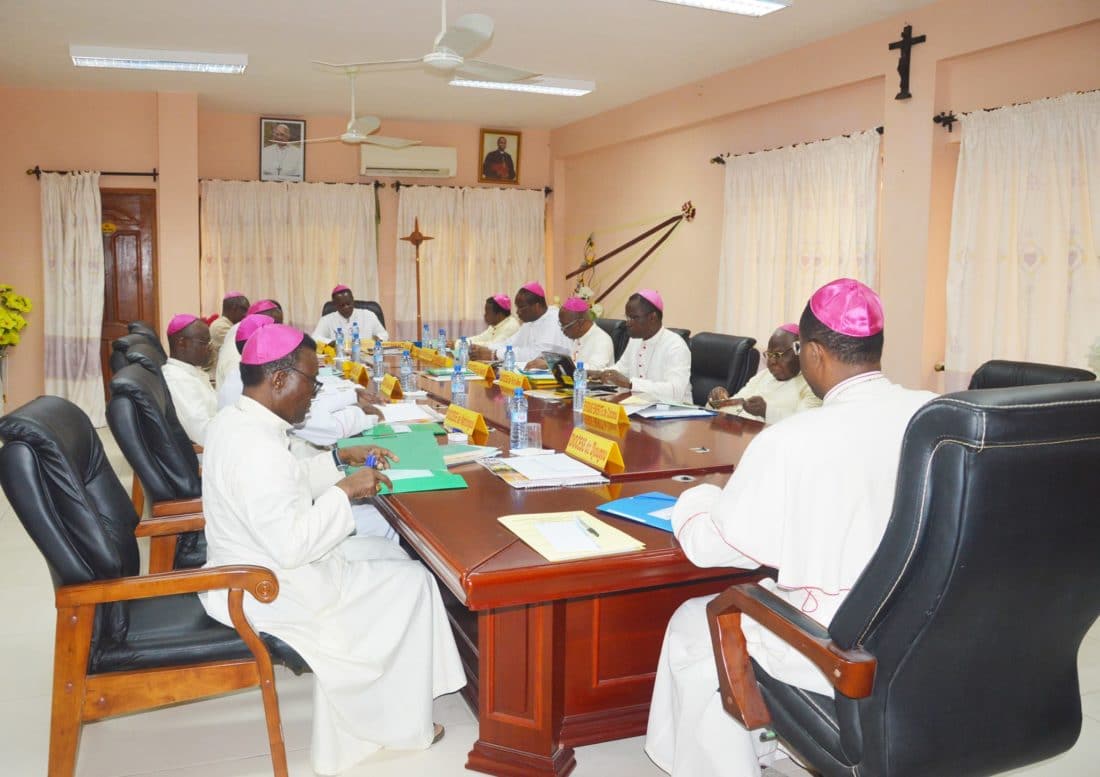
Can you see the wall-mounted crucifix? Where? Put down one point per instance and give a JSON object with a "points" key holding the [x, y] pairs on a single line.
{"points": [[416, 237], [905, 45]]}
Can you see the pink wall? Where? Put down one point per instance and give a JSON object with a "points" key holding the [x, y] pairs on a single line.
{"points": [[657, 150]]}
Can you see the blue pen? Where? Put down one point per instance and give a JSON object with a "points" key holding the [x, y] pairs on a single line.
{"points": [[371, 461]]}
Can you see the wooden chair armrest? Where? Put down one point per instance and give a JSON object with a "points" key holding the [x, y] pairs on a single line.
{"points": [[171, 524], [851, 672], [260, 582], [177, 507]]}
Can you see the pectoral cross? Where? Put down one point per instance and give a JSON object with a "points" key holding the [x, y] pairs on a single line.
{"points": [[416, 237], [905, 45]]}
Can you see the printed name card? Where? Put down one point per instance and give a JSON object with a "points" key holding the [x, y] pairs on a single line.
{"points": [[404, 345], [596, 451], [357, 373], [599, 410], [510, 381], [468, 421], [605, 427], [391, 387], [417, 352], [484, 370]]}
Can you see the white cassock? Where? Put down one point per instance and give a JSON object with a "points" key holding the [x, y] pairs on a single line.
{"points": [[534, 337], [783, 397], [370, 328], [218, 328], [367, 619], [192, 396], [496, 333], [229, 358], [659, 366], [281, 162], [594, 348], [811, 497]]}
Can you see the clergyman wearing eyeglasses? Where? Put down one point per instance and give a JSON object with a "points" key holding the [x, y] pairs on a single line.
{"points": [[775, 393], [591, 345]]}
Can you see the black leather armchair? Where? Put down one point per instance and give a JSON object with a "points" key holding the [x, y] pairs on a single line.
{"points": [[124, 642], [121, 346], [1005, 374], [721, 360], [150, 334], [956, 650], [361, 304], [616, 330], [144, 423], [684, 333]]}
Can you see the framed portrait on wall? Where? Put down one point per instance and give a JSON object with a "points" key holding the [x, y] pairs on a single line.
{"points": [[499, 156], [282, 150]]}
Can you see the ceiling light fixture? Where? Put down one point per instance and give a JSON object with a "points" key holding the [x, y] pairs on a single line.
{"points": [[743, 7], [562, 87], [152, 59]]}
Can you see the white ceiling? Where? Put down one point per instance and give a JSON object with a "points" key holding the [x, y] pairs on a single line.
{"points": [[631, 48]]}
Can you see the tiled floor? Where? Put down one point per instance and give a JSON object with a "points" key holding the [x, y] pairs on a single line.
{"points": [[225, 737]]}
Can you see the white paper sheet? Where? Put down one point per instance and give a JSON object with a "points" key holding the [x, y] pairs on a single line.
{"points": [[405, 412], [406, 474], [567, 537]]}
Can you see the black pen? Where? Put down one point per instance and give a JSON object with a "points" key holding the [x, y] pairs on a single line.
{"points": [[586, 527]]}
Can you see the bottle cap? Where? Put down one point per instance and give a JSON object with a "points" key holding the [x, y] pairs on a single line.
{"points": [[580, 365], [518, 392]]}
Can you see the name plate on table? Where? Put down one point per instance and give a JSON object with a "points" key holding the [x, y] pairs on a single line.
{"points": [[417, 352], [484, 370], [608, 412], [468, 421], [510, 381], [391, 387], [596, 451], [404, 345], [327, 352], [357, 373], [605, 427]]}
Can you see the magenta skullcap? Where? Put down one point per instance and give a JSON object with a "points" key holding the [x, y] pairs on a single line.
{"points": [[339, 288], [270, 343], [249, 325], [261, 306], [792, 328], [653, 297], [180, 321], [848, 307], [503, 300], [535, 288], [575, 305], [232, 295]]}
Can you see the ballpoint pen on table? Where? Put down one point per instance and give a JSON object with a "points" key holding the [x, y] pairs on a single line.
{"points": [[586, 527]]}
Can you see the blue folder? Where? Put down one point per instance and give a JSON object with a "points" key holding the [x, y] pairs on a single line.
{"points": [[640, 508]]}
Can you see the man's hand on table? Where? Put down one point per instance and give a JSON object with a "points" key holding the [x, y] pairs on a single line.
{"points": [[481, 353], [357, 455], [363, 483], [614, 377]]}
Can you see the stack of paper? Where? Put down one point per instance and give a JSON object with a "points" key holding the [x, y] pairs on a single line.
{"points": [[553, 471], [455, 454], [569, 535], [404, 412]]}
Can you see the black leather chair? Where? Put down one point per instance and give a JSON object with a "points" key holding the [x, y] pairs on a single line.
{"points": [[1005, 374], [120, 346], [145, 355], [150, 334], [361, 304], [144, 423], [616, 330], [124, 642], [955, 653], [684, 333], [721, 360]]}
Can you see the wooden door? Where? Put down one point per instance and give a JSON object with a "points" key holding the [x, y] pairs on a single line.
{"points": [[129, 263]]}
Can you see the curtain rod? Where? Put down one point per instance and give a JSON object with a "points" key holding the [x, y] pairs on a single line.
{"points": [[546, 190], [721, 158], [376, 184], [948, 118], [37, 171]]}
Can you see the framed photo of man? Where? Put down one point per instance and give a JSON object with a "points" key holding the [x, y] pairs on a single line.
{"points": [[499, 156], [282, 150]]}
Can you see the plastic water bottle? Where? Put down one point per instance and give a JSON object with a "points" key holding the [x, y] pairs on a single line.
{"points": [[341, 346], [407, 372], [379, 365], [426, 337], [458, 387], [509, 359], [580, 387], [356, 344], [441, 343], [517, 419], [463, 359]]}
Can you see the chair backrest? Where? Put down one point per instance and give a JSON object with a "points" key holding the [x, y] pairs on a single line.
{"points": [[146, 331], [60, 484], [984, 584], [122, 345], [999, 373], [721, 360], [616, 330], [361, 304], [684, 333], [144, 423], [145, 355]]}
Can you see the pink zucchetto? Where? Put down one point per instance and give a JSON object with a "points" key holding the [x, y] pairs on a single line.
{"points": [[232, 295], [249, 325], [180, 321], [848, 307], [270, 343], [792, 328], [339, 289], [653, 297], [261, 306], [575, 305], [503, 300], [535, 288]]}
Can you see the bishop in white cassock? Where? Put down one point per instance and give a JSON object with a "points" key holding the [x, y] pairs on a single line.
{"points": [[188, 382], [367, 619], [500, 323], [810, 497], [234, 308], [656, 362], [229, 357], [345, 314], [591, 345], [539, 330]]}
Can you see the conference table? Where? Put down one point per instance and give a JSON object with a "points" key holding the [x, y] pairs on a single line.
{"points": [[561, 654]]}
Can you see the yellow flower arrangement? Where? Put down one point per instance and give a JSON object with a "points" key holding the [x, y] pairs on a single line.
{"points": [[12, 322]]}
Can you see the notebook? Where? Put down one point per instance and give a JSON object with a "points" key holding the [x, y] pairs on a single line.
{"points": [[653, 509], [569, 535], [420, 465], [553, 471]]}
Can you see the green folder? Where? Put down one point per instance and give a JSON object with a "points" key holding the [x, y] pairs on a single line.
{"points": [[439, 481], [385, 430], [415, 451]]}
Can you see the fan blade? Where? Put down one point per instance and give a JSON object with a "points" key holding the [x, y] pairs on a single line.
{"points": [[321, 140], [477, 70], [365, 124], [346, 66], [468, 34], [380, 140]]}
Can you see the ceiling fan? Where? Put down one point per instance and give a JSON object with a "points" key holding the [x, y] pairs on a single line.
{"points": [[469, 34], [359, 128]]}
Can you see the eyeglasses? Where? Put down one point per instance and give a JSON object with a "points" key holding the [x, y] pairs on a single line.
{"points": [[317, 385], [565, 327], [780, 354]]}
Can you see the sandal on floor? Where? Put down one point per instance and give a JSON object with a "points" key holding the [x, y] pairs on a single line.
{"points": [[438, 734]]}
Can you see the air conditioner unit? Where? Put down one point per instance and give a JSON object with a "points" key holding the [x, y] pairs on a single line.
{"points": [[412, 161]]}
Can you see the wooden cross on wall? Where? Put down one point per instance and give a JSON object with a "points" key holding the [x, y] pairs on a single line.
{"points": [[416, 237], [905, 46]]}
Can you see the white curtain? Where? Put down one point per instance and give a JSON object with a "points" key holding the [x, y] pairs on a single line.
{"points": [[795, 218], [291, 242], [485, 241], [72, 252], [1023, 278]]}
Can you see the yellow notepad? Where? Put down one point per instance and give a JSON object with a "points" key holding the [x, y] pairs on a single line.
{"points": [[569, 535]]}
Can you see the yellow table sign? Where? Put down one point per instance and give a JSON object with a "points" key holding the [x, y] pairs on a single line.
{"points": [[484, 370], [605, 427], [468, 421], [391, 387], [599, 452], [510, 381], [417, 352], [604, 411]]}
